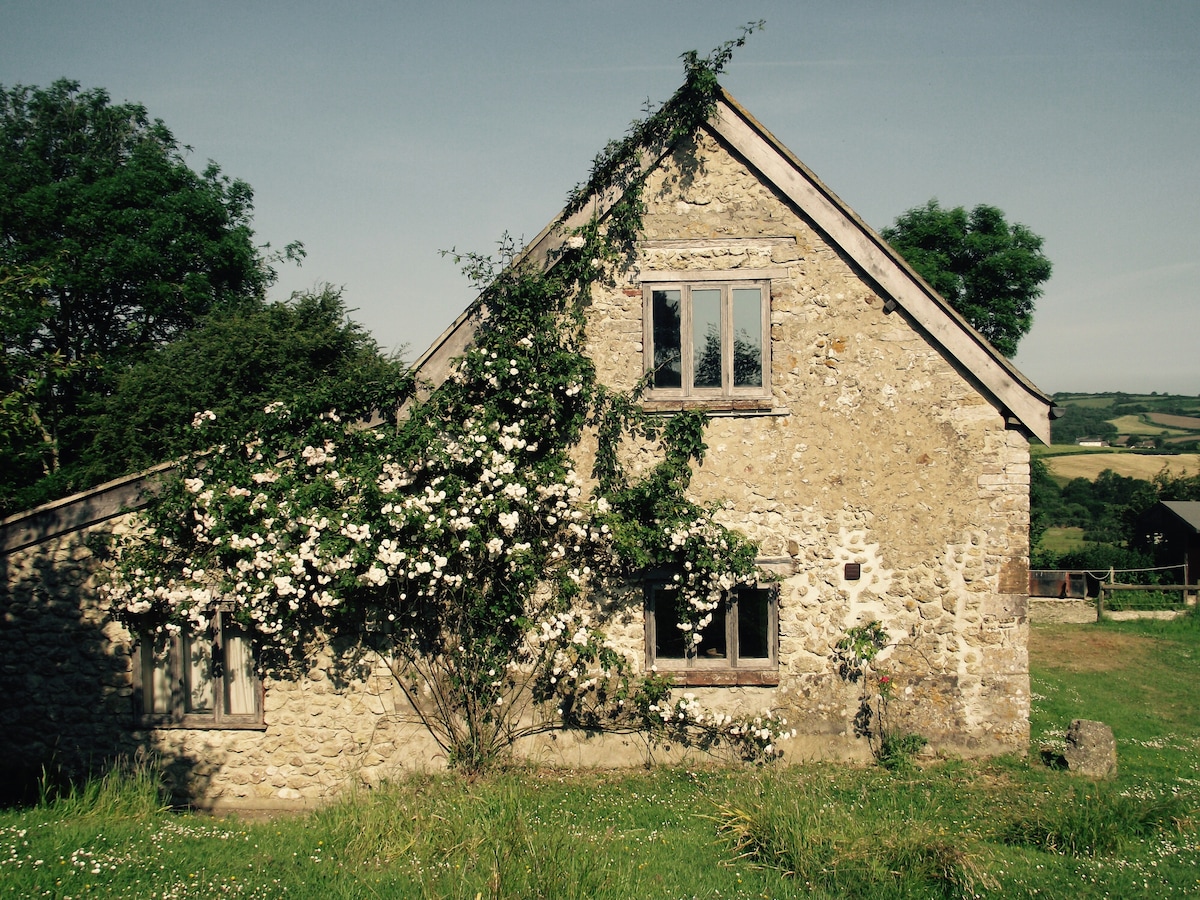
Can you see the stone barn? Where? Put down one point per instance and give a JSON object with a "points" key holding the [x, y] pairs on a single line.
{"points": [[860, 431]]}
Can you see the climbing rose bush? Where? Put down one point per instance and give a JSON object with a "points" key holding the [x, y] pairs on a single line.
{"points": [[469, 559], [456, 541]]}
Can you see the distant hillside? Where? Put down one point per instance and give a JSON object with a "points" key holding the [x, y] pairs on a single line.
{"points": [[1144, 421], [1085, 500], [1132, 465]]}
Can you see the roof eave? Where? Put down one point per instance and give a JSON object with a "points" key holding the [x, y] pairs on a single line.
{"points": [[965, 347]]}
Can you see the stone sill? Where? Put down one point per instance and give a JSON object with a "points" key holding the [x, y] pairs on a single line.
{"points": [[164, 725], [717, 407], [725, 677]]}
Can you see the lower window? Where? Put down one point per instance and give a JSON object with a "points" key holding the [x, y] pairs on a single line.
{"points": [[741, 638], [200, 681]]}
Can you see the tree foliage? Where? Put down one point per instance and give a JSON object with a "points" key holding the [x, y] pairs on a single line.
{"points": [[27, 377], [1109, 510], [1082, 421], [988, 270], [110, 246], [234, 362]]}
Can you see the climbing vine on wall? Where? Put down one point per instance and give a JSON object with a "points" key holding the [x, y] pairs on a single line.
{"points": [[460, 541]]}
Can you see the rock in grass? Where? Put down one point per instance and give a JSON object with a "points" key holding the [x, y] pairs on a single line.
{"points": [[1091, 749]]}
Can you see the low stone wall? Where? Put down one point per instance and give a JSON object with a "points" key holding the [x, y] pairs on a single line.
{"points": [[1124, 615], [1052, 611], [65, 688]]}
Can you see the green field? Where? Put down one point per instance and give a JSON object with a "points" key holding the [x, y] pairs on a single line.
{"points": [[1171, 418], [1151, 402], [1010, 827], [1044, 451], [1130, 424], [1191, 423], [1089, 402], [1062, 540]]}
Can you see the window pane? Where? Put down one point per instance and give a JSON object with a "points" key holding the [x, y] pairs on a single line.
{"points": [[747, 337], [668, 362], [754, 623], [668, 639], [159, 701], [706, 338], [239, 673], [713, 639], [197, 665]]}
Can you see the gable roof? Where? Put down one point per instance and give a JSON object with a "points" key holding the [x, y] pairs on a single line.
{"points": [[1187, 511], [1018, 399]]}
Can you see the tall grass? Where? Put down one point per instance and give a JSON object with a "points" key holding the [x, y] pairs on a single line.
{"points": [[458, 841], [1097, 820], [851, 845], [996, 828], [129, 789]]}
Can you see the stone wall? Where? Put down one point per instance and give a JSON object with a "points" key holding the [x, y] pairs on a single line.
{"points": [[875, 451], [65, 693]]}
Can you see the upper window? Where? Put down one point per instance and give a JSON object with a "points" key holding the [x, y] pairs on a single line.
{"points": [[708, 339], [742, 636], [201, 681]]}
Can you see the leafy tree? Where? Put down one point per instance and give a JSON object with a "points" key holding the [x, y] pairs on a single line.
{"points": [[110, 245], [1177, 487], [26, 379], [1109, 510], [1096, 558], [1045, 500], [988, 270], [233, 363]]}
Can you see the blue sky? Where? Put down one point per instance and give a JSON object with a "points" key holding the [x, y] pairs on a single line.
{"points": [[379, 133]]}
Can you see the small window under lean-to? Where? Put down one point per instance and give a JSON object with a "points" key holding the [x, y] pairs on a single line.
{"points": [[199, 681]]}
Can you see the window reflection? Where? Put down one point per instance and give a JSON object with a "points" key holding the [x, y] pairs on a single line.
{"points": [[747, 337], [668, 355], [708, 338]]}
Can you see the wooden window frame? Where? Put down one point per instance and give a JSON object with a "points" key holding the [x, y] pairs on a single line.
{"points": [[731, 669], [726, 282], [148, 656]]}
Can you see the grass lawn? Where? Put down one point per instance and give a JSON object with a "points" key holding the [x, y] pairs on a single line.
{"points": [[1009, 827], [1062, 540]]}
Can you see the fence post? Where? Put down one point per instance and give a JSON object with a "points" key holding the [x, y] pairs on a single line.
{"points": [[1100, 603]]}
